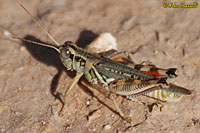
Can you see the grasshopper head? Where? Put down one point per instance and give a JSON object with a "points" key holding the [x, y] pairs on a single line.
{"points": [[67, 49], [67, 52]]}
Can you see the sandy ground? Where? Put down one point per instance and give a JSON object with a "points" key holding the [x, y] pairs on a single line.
{"points": [[167, 37]]}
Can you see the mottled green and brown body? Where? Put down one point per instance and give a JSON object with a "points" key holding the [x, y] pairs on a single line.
{"points": [[97, 69]]}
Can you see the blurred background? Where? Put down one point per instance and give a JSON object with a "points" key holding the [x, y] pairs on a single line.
{"points": [[167, 37]]}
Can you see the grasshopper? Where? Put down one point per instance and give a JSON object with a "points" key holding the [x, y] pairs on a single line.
{"points": [[108, 75]]}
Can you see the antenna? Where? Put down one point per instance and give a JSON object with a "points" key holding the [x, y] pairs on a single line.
{"points": [[42, 28], [38, 43]]}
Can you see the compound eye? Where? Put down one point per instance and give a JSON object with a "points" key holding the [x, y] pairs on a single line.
{"points": [[65, 53]]}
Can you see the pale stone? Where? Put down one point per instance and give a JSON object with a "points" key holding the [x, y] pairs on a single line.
{"points": [[105, 42]]}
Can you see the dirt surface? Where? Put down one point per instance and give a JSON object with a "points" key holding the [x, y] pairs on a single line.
{"points": [[167, 37]]}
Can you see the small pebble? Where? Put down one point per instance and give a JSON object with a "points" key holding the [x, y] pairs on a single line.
{"points": [[107, 127], [22, 48], [87, 102], [102, 43], [6, 33]]}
